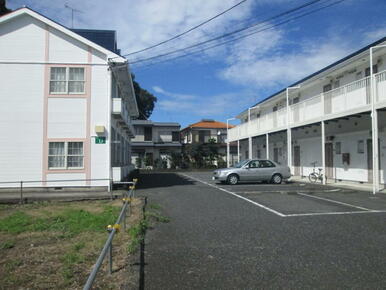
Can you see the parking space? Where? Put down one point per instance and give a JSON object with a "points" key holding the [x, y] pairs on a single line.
{"points": [[262, 236], [296, 199]]}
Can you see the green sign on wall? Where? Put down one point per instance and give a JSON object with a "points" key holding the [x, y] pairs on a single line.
{"points": [[100, 140]]}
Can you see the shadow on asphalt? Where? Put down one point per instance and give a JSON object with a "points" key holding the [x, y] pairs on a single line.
{"points": [[154, 180]]}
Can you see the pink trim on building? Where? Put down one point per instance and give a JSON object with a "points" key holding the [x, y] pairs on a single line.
{"points": [[87, 95]]}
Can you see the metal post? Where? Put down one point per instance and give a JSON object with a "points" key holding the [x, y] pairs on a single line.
{"points": [[21, 192], [267, 144], [289, 139], [228, 155], [124, 220], [111, 259], [289, 148], [228, 146], [374, 131], [289, 132], [323, 152], [250, 147], [238, 150], [374, 123]]}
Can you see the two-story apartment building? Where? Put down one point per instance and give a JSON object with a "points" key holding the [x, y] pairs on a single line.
{"points": [[208, 130], [66, 104], [154, 143], [330, 117]]}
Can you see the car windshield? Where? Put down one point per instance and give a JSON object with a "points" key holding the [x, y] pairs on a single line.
{"points": [[240, 164]]}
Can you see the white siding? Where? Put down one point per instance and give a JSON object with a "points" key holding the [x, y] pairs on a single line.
{"points": [[66, 49], [98, 57], [100, 117], [21, 126], [65, 176], [22, 39], [67, 118]]}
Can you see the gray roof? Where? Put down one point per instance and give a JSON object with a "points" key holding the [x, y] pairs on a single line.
{"points": [[159, 124]]}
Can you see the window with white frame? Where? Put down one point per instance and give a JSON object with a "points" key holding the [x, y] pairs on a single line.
{"points": [[67, 80], [65, 155]]}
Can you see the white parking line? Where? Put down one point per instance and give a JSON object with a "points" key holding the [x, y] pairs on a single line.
{"points": [[239, 196], [334, 213], [363, 209], [334, 201]]}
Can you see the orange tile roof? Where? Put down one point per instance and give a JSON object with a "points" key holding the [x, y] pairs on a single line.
{"points": [[209, 124]]}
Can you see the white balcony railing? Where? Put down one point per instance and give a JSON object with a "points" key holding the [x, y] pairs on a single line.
{"points": [[381, 86], [355, 95]]}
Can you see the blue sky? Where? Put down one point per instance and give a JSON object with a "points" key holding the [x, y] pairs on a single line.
{"points": [[221, 82]]}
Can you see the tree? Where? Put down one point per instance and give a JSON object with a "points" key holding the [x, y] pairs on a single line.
{"points": [[145, 100], [3, 8]]}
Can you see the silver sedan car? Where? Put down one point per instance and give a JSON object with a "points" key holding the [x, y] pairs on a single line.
{"points": [[253, 170]]}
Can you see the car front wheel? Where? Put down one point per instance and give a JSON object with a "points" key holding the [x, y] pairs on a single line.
{"points": [[277, 179], [233, 179]]}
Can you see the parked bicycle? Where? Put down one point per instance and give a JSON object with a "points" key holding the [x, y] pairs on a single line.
{"points": [[315, 176]]}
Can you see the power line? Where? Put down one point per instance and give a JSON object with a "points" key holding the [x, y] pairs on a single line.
{"points": [[231, 33], [247, 35], [187, 31]]}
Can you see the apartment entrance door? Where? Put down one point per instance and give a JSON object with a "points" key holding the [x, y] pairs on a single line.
{"points": [[370, 158], [276, 155], [329, 160], [296, 160]]}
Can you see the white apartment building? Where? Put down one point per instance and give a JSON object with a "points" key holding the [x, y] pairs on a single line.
{"points": [[328, 118], [154, 143], [65, 105]]}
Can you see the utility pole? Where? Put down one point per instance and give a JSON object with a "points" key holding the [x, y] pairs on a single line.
{"points": [[72, 13]]}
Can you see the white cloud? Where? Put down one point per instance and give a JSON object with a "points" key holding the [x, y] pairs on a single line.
{"points": [[263, 62], [376, 34], [175, 96], [142, 23], [201, 106]]}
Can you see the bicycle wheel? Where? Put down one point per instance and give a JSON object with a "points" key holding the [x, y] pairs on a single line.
{"points": [[312, 177]]}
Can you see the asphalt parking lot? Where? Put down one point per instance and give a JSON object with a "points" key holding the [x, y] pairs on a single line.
{"points": [[261, 236], [300, 199]]}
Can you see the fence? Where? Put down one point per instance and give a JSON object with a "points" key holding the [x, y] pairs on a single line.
{"points": [[112, 229], [23, 182]]}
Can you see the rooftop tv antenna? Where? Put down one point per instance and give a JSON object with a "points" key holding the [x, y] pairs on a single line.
{"points": [[72, 13]]}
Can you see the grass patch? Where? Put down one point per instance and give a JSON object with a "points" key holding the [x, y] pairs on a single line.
{"points": [[7, 245], [69, 261], [54, 245], [69, 222], [154, 206], [12, 265]]}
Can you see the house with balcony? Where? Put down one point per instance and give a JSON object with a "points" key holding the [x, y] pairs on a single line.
{"points": [[329, 119], [210, 131], [66, 103], [155, 143]]}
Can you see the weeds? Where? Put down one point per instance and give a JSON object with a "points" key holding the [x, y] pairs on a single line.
{"points": [[154, 206], [53, 245], [7, 245], [70, 222], [137, 233], [12, 265], [69, 260], [157, 217]]}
